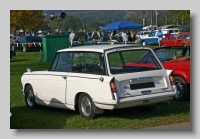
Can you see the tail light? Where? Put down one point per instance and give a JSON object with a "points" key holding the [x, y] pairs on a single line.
{"points": [[113, 87], [114, 90]]}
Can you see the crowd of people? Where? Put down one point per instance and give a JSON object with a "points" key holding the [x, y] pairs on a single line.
{"points": [[81, 36]]}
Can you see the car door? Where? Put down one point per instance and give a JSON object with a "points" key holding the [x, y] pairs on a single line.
{"points": [[152, 39], [53, 82], [155, 38], [179, 40], [172, 40]]}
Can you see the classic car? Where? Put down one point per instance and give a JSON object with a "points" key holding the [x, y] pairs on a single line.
{"points": [[93, 78], [142, 34], [179, 39], [176, 59], [153, 38]]}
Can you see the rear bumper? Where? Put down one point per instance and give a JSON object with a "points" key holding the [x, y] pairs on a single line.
{"points": [[134, 101]]}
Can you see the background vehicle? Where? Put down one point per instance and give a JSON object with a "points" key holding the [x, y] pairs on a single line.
{"points": [[178, 60], [179, 39], [153, 38], [142, 34], [28, 42]]}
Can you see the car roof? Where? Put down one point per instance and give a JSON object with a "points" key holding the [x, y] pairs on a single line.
{"points": [[102, 48]]}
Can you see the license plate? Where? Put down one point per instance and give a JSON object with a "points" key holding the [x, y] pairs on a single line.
{"points": [[147, 92]]}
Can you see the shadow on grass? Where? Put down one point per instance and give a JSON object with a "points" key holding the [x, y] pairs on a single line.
{"points": [[160, 110], [54, 118], [40, 118]]}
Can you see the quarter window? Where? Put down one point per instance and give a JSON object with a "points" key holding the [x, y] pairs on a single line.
{"points": [[62, 62]]}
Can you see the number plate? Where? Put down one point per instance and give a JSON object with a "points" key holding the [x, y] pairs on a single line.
{"points": [[147, 92]]}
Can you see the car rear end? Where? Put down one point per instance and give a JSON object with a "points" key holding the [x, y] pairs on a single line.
{"points": [[137, 84]]}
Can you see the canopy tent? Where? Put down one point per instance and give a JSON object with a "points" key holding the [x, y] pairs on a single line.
{"points": [[121, 25]]}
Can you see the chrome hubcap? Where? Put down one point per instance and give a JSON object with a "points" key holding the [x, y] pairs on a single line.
{"points": [[180, 89], [86, 105], [30, 98]]}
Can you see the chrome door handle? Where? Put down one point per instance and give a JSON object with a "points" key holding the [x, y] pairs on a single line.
{"points": [[64, 77]]}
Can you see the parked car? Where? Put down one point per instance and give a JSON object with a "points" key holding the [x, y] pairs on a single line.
{"points": [[178, 60], [142, 34], [153, 38], [179, 39], [30, 43], [95, 77]]}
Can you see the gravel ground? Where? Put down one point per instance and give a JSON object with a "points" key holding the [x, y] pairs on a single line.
{"points": [[180, 126]]}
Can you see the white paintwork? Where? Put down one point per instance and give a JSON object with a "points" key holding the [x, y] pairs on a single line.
{"points": [[51, 89]]}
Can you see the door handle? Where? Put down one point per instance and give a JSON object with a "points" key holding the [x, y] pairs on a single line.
{"points": [[64, 77]]}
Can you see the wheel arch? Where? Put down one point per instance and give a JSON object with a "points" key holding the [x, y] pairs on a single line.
{"points": [[76, 99], [182, 75], [27, 84]]}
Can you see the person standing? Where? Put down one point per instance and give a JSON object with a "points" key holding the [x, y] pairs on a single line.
{"points": [[160, 35], [71, 38], [124, 37]]}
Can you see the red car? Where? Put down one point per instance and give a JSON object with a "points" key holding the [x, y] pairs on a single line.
{"points": [[176, 59], [178, 39]]}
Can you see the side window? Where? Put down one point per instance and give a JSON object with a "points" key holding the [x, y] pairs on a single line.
{"points": [[180, 37], [88, 62], [170, 31], [62, 62], [152, 34], [185, 36], [187, 52]]}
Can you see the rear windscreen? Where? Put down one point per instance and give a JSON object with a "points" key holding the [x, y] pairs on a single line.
{"points": [[132, 61]]}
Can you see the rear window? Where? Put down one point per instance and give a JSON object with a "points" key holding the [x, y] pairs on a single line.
{"points": [[128, 61]]}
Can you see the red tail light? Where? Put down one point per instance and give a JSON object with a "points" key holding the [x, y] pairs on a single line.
{"points": [[114, 90], [113, 87]]}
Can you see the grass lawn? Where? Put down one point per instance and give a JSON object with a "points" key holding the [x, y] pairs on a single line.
{"points": [[52, 118]]}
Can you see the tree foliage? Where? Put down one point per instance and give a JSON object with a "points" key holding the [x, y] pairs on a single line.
{"points": [[26, 19], [182, 15], [70, 22]]}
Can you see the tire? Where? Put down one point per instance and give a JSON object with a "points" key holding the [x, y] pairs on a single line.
{"points": [[30, 97], [143, 43], [182, 88], [85, 106], [163, 45]]}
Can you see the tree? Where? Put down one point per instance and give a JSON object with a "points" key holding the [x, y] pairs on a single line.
{"points": [[26, 19], [70, 22], [182, 15]]}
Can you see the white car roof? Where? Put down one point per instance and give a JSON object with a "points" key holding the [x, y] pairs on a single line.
{"points": [[100, 48]]}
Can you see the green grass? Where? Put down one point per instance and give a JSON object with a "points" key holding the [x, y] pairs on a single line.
{"points": [[52, 118]]}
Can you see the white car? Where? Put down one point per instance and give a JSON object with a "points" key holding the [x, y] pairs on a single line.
{"points": [[98, 77], [142, 34]]}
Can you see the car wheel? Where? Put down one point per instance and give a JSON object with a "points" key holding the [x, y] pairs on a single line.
{"points": [[30, 97], [143, 43], [163, 45], [85, 106], [181, 88]]}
